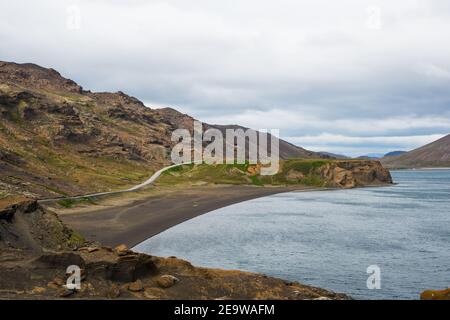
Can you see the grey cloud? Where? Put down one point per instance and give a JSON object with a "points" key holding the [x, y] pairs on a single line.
{"points": [[231, 60]]}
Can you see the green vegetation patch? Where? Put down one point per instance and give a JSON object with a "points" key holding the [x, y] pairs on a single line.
{"points": [[214, 174], [69, 203], [66, 203], [75, 239], [256, 181], [3, 194], [239, 174], [303, 166], [306, 167], [179, 169]]}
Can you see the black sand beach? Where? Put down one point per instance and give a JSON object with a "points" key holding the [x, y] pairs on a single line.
{"points": [[136, 220]]}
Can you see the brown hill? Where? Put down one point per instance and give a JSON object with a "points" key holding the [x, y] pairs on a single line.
{"points": [[58, 139], [435, 154]]}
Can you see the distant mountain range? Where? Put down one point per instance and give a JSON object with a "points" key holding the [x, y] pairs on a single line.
{"points": [[332, 155], [381, 155], [371, 156], [395, 153], [435, 154]]}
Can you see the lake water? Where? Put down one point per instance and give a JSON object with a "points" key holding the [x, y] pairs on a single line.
{"points": [[329, 238]]}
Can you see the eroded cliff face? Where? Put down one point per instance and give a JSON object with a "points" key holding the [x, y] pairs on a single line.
{"points": [[332, 173], [435, 294], [354, 173], [36, 248], [293, 172]]}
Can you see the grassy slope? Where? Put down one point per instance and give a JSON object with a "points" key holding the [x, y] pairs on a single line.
{"points": [[67, 171], [243, 174], [92, 173]]}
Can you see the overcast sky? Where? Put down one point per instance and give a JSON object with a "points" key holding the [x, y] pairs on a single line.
{"points": [[349, 76]]}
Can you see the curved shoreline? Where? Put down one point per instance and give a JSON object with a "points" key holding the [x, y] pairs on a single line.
{"points": [[140, 219]]}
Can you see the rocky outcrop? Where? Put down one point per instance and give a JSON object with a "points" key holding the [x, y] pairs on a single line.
{"points": [[34, 76], [435, 295], [354, 173], [28, 226], [36, 249], [292, 172], [166, 281]]}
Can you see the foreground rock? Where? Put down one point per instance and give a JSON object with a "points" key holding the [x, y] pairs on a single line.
{"points": [[167, 281], [36, 249], [435, 295]]}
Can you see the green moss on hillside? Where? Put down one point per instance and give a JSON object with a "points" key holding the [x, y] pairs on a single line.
{"points": [[69, 203], [214, 174], [245, 174], [303, 166]]}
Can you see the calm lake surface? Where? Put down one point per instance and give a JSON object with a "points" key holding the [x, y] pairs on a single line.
{"points": [[329, 238]]}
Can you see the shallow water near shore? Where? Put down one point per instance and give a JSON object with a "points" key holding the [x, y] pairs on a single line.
{"points": [[329, 238]]}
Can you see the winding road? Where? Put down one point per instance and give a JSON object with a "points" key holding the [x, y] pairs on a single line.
{"points": [[150, 180]]}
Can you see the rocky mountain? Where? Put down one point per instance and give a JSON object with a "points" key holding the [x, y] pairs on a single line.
{"points": [[435, 154], [58, 139]]}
